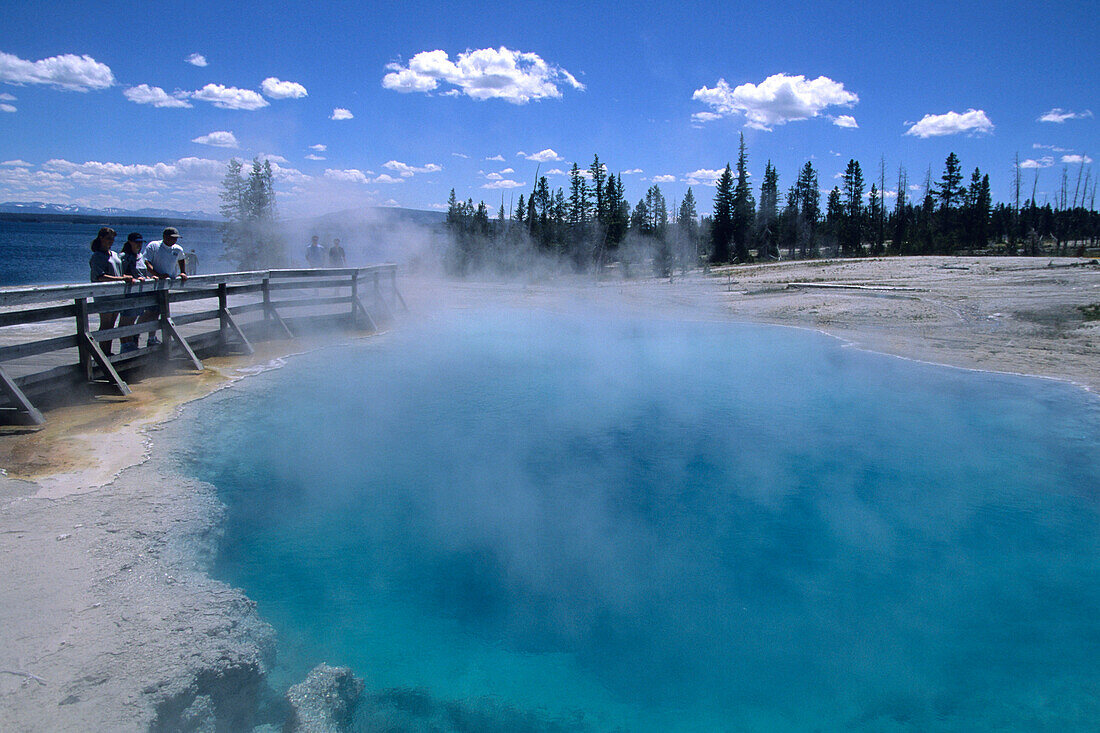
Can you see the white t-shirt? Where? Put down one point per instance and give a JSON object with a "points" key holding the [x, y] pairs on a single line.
{"points": [[164, 258]]}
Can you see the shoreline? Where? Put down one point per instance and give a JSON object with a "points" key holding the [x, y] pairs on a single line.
{"points": [[108, 612]]}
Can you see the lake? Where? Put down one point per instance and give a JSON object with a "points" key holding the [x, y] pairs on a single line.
{"points": [[55, 252]]}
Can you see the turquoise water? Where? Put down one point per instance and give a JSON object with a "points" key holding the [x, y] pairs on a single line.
{"points": [[525, 521]]}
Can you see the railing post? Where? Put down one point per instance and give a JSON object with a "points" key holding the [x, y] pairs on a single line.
{"points": [[223, 321], [165, 314], [354, 298], [266, 290], [81, 332]]}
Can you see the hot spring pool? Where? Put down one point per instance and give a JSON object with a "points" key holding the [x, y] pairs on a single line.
{"points": [[530, 521]]}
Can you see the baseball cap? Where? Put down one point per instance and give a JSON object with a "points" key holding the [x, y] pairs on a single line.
{"points": [[135, 237], [171, 232]]}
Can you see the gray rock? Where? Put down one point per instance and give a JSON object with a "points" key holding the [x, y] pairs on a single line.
{"points": [[325, 701]]}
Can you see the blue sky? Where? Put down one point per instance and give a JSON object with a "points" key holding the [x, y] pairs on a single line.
{"points": [[434, 91]]}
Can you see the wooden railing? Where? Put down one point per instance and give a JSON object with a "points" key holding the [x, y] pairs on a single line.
{"points": [[35, 361]]}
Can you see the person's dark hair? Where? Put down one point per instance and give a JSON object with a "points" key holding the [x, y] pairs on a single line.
{"points": [[104, 233]]}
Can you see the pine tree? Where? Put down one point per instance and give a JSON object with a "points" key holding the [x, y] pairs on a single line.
{"points": [[599, 191], [950, 191], [834, 218], [901, 214], [578, 202], [721, 232], [809, 207], [658, 210], [250, 234], [949, 195], [743, 206], [618, 211], [767, 216], [639, 218], [874, 215], [852, 226]]}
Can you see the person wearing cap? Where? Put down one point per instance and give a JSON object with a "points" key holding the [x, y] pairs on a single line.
{"points": [[315, 253], [106, 267], [133, 264], [166, 259], [336, 255]]}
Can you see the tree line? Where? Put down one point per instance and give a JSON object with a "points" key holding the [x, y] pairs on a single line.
{"points": [[591, 224]]}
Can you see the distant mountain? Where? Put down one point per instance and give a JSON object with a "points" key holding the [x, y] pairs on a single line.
{"points": [[366, 215], [375, 216], [39, 208]]}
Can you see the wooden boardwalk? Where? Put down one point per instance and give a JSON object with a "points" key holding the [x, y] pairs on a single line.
{"points": [[48, 344]]}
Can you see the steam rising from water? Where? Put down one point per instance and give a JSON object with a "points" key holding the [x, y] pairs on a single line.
{"points": [[591, 523]]}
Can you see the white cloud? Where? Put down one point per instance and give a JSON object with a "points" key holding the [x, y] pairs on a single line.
{"points": [[666, 178], [777, 100], [845, 121], [1038, 146], [494, 176], [184, 167], [5, 107], [18, 162], [705, 116], [632, 172], [318, 148], [505, 183], [311, 156], [272, 157], [352, 175], [390, 203], [339, 113], [485, 73], [407, 171], [5, 97], [145, 94], [499, 158], [556, 172], [68, 72], [387, 178], [703, 177], [915, 187], [508, 170], [1045, 162], [230, 97], [439, 207], [973, 121], [1074, 158], [543, 156], [1060, 115], [188, 183], [460, 155], [197, 59], [219, 139], [277, 89]]}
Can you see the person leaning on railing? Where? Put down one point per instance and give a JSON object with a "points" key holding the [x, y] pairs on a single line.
{"points": [[106, 267], [166, 259], [133, 264]]}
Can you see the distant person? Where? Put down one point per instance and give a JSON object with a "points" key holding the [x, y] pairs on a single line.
{"points": [[336, 256], [315, 253], [106, 267], [166, 259], [133, 264]]}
